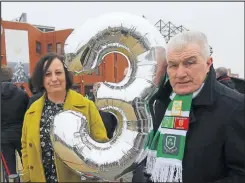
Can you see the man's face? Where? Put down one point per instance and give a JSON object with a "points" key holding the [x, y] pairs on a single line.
{"points": [[187, 69]]}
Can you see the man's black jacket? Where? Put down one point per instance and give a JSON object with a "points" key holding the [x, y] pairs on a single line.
{"points": [[13, 107], [214, 150], [226, 80]]}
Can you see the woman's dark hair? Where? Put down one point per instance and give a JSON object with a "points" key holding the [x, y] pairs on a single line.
{"points": [[31, 88], [39, 72]]}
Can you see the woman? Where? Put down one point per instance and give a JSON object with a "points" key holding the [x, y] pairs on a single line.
{"points": [[40, 163]]}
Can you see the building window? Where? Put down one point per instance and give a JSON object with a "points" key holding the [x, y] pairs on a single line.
{"points": [[38, 47], [115, 73], [103, 68], [88, 92], [50, 47], [115, 66], [58, 48], [97, 71]]}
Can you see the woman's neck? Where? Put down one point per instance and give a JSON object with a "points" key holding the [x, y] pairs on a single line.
{"points": [[57, 97]]}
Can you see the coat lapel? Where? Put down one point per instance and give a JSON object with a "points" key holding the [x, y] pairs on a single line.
{"points": [[192, 117], [72, 102], [34, 116]]}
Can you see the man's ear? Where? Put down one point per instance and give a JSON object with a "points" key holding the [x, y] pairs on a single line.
{"points": [[210, 62]]}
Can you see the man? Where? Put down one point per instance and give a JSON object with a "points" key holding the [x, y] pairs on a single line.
{"points": [[198, 125], [222, 77], [13, 107], [160, 56], [110, 121]]}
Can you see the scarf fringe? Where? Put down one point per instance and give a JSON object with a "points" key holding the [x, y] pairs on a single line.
{"points": [[151, 159], [143, 154], [166, 171]]}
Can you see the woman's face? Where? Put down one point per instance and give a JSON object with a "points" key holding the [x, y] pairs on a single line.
{"points": [[54, 78]]}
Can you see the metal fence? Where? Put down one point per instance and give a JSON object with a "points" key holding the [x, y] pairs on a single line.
{"points": [[18, 168]]}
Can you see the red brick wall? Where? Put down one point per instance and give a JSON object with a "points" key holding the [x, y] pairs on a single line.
{"points": [[34, 35], [111, 69], [108, 68]]}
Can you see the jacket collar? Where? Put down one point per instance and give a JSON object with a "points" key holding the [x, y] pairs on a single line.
{"points": [[223, 78], [205, 97], [70, 102], [73, 100]]}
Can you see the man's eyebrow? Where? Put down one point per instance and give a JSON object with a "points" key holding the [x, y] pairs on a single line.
{"points": [[186, 59], [172, 62], [192, 57]]}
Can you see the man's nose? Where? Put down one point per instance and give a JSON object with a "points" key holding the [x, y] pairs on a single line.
{"points": [[181, 72]]}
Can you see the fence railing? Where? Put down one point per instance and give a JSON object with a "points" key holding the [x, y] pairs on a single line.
{"points": [[18, 168]]}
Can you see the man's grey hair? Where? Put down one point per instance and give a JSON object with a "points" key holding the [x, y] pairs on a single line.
{"points": [[181, 40], [221, 71]]}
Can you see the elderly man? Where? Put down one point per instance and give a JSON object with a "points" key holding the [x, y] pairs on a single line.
{"points": [[198, 125], [222, 77]]}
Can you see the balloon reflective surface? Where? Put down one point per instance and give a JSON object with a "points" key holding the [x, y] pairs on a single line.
{"points": [[136, 39]]}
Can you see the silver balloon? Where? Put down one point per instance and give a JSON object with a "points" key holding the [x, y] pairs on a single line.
{"points": [[136, 39]]}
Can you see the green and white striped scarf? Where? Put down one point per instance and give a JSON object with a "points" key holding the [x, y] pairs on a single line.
{"points": [[165, 149]]}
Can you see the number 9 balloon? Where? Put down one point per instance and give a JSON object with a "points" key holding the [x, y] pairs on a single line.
{"points": [[136, 39]]}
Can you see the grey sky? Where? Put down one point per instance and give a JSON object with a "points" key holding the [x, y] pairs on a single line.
{"points": [[222, 22]]}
